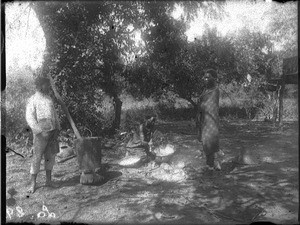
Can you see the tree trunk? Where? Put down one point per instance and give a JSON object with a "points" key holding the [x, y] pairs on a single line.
{"points": [[275, 106], [118, 110], [40, 9]]}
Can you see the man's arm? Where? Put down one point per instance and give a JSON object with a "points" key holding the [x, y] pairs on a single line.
{"points": [[151, 136], [199, 121], [31, 117], [142, 136], [141, 131]]}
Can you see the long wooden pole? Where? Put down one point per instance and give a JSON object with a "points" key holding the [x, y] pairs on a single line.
{"points": [[77, 134], [281, 92]]}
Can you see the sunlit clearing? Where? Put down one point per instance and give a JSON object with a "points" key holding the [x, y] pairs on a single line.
{"points": [[25, 41]]}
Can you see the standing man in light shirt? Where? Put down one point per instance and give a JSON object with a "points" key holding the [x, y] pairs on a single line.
{"points": [[43, 121]]}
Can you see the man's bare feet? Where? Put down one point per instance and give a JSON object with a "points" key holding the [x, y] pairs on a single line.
{"points": [[32, 188]]}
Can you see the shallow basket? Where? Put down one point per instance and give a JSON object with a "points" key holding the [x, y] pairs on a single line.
{"points": [[137, 164]]}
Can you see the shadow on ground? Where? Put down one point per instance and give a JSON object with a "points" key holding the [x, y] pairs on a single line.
{"points": [[265, 189]]}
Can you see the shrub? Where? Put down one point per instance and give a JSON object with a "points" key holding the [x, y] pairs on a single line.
{"points": [[170, 112], [232, 112], [18, 91], [89, 119], [290, 109], [130, 118]]}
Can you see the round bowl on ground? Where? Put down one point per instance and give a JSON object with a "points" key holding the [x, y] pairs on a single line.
{"points": [[164, 154]]}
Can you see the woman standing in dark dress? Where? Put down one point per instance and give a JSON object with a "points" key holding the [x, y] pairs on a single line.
{"points": [[208, 118]]}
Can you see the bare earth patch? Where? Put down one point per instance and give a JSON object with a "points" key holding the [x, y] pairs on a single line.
{"points": [[173, 192]]}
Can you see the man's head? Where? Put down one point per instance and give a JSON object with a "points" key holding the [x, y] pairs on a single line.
{"points": [[210, 78], [42, 85]]}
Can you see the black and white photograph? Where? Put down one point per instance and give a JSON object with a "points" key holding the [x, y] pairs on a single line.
{"points": [[150, 112]]}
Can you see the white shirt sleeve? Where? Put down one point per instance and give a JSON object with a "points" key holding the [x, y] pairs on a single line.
{"points": [[31, 117]]}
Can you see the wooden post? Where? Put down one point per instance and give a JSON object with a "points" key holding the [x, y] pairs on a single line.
{"points": [[281, 92], [289, 76], [276, 105]]}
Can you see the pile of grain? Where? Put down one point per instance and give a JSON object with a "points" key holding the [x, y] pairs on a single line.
{"points": [[164, 151], [129, 161]]}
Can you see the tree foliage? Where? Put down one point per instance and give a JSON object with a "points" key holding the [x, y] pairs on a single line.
{"points": [[253, 54], [170, 63], [87, 50], [91, 52], [88, 44], [284, 26]]}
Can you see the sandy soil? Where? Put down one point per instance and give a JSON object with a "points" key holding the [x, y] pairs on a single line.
{"points": [[267, 189]]}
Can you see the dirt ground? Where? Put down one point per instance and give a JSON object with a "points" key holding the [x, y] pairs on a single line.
{"points": [[265, 190]]}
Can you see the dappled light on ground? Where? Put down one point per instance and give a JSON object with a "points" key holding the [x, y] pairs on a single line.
{"points": [[178, 191]]}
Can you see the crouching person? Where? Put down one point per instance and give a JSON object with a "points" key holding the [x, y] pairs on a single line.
{"points": [[141, 139], [43, 121], [208, 119]]}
